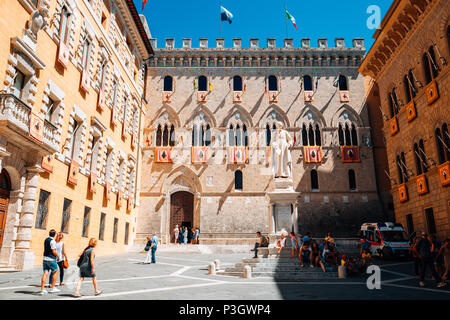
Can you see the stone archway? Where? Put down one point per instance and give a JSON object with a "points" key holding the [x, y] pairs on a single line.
{"points": [[181, 210]]}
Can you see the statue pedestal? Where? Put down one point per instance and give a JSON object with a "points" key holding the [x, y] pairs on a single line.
{"points": [[283, 207]]}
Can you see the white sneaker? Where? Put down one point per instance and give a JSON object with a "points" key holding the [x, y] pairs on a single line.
{"points": [[54, 290], [43, 292]]}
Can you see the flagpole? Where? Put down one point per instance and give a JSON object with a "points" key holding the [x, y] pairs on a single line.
{"points": [[220, 21], [285, 10]]}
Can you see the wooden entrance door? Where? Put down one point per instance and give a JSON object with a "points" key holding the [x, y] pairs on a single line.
{"points": [[5, 188], [3, 212], [181, 210]]}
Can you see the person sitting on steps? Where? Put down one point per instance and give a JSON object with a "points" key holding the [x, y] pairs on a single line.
{"points": [[263, 242]]}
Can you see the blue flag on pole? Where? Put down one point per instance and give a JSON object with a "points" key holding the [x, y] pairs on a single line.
{"points": [[225, 15]]}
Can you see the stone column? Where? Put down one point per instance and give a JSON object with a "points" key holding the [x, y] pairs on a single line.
{"points": [[295, 227], [23, 256]]}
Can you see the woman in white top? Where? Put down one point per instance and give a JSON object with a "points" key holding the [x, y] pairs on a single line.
{"points": [[282, 242], [176, 233], [62, 255]]}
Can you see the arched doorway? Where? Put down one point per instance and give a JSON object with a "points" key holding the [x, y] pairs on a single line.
{"points": [[5, 188], [181, 210]]}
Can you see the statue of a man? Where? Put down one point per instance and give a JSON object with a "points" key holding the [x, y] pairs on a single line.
{"points": [[281, 155]]}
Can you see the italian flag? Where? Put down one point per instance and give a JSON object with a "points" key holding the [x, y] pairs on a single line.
{"points": [[291, 17]]}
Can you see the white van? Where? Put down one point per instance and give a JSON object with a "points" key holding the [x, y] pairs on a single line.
{"points": [[387, 239]]}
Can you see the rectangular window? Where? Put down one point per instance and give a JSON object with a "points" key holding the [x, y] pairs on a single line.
{"points": [[66, 215], [19, 84], [86, 52], [431, 225], [86, 220], [63, 25], [124, 110], [409, 223], [127, 232], [75, 128], [51, 106], [116, 222], [42, 210], [102, 226]]}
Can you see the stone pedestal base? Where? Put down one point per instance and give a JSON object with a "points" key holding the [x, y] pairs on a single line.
{"points": [[23, 259], [283, 207]]}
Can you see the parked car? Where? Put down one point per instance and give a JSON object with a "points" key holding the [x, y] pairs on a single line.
{"points": [[387, 239]]}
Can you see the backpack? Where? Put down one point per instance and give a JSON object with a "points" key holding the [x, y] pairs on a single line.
{"points": [[265, 241]]}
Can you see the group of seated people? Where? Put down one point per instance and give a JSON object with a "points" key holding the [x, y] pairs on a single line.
{"points": [[316, 254]]}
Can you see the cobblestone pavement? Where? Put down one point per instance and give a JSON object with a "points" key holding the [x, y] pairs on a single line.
{"points": [[185, 276]]}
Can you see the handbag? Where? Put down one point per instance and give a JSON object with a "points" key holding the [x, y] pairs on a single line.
{"points": [[147, 248], [65, 264]]}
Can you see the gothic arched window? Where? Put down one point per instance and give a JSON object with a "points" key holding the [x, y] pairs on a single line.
{"points": [[237, 83], [343, 86], [202, 83]]}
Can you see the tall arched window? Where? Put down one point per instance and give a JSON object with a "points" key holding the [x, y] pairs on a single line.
{"points": [[237, 83], [311, 135], [238, 180], [273, 83], [314, 180], [318, 137], [165, 136], [354, 136], [401, 167], [352, 179], [304, 135], [159, 136], [410, 89], [348, 140], [443, 143], [307, 83], [231, 136], [168, 83], [343, 86], [268, 135], [202, 83], [430, 65], [341, 135], [393, 103]]}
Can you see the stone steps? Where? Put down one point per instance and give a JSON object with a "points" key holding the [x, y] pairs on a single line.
{"points": [[6, 268], [284, 275]]}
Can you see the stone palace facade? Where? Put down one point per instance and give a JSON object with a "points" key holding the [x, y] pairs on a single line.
{"points": [[207, 139]]}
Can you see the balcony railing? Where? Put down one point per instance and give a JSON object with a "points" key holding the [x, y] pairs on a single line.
{"points": [[15, 114]]}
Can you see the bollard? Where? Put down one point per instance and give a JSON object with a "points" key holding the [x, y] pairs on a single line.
{"points": [[217, 263], [342, 272], [212, 269], [247, 272]]}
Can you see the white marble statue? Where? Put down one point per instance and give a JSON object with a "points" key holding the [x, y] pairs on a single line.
{"points": [[281, 155]]}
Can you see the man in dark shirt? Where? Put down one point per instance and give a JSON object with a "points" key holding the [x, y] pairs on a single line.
{"points": [[424, 249]]}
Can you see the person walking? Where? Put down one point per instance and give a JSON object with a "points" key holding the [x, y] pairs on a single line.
{"points": [[294, 244], [192, 236], [445, 252], [154, 246], [185, 235], [415, 257], [181, 236], [197, 235], [62, 256], [49, 263], [424, 249], [87, 268], [176, 233], [148, 246]]}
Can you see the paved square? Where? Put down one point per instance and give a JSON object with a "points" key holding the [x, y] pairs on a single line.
{"points": [[178, 276]]}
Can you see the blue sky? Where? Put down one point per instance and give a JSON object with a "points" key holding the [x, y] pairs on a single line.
{"points": [[260, 19]]}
